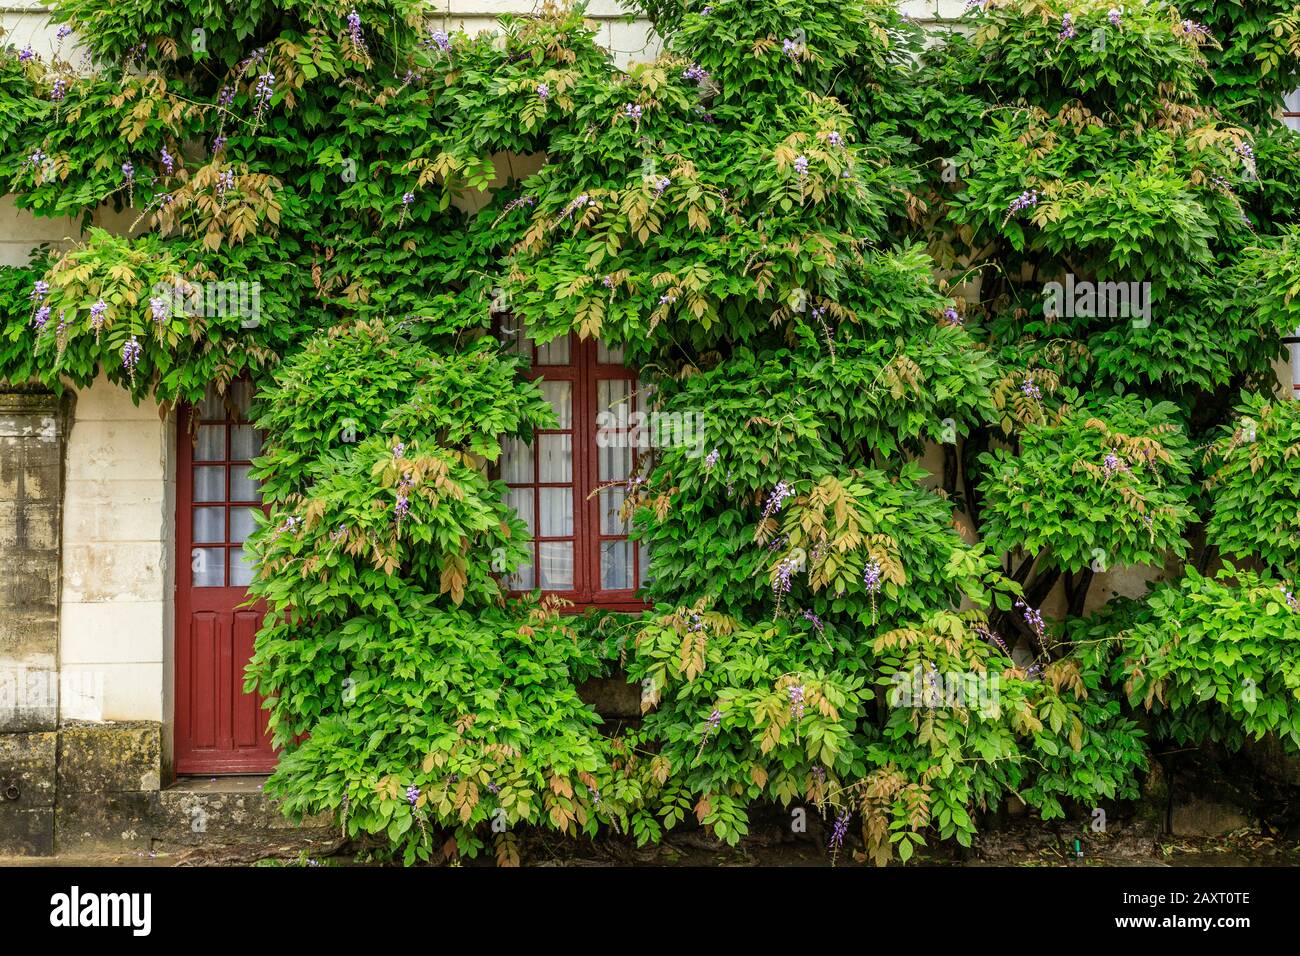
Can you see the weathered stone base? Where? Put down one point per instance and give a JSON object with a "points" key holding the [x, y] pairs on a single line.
{"points": [[95, 788]]}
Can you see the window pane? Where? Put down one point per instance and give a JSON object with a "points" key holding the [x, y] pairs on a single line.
{"points": [[643, 558], [210, 483], [555, 562], [242, 487], [521, 499], [560, 395], [514, 339], [557, 512], [616, 565], [555, 352], [212, 408], [209, 525], [609, 354], [242, 524], [522, 579], [209, 567], [516, 461], [611, 500], [241, 569], [241, 395], [612, 394], [555, 454], [211, 444], [615, 463], [245, 443]]}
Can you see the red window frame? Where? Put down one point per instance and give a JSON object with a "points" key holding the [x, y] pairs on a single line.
{"points": [[585, 371]]}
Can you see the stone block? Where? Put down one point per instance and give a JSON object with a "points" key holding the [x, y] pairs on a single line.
{"points": [[110, 758]]}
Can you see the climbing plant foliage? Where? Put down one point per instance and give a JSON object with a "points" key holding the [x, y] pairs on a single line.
{"points": [[967, 321]]}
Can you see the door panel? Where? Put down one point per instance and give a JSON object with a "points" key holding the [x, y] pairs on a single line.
{"points": [[219, 728]]}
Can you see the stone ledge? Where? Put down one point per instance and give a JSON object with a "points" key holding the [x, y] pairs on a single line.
{"points": [[119, 757]]}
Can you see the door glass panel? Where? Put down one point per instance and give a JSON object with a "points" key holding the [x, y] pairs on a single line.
{"points": [[211, 443], [245, 443], [643, 560], [516, 461], [522, 579], [615, 463], [209, 525], [242, 524], [555, 562], [555, 352], [212, 408], [242, 487], [210, 483], [241, 569], [515, 340], [609, 354], [241, 395], [557, 512], [521, 499], [616, 565], [555, 453], [612, 394], [560, 395], [611, 500], [209, 567]]}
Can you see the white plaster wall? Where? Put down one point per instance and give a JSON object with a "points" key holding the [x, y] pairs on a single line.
{"points": [[118, 539]]}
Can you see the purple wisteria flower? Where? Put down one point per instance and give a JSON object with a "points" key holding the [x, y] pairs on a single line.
{"points": [[711, 460], [97, 312], [662, 186], [834, 139], [780, 493], [840, 830], [695, 74], [339, 533], [40, 289], [1113, 16], [63, 32], [26, 54], [1034, 618], [992, 638], [607, 282], [1067, 28], [1113, 463], [263, 92], [667, 298], [412, 794], [168, 162], [440, 39], [354, 30], [41, 317], [131, 356], [1026, 199], [1192, 28], [218, 143], [59, 91], [815, 621], [225, 183], [790, 48], [1291, 601], [226, 96], [399, 450], [801, 165], [408, 198], [1029, 389], [951, 316], [632, 111], [781, 583], [160, 308], [871, 577], [402, 507], [576, 203], [493, 787], [128, 172], [543, 91], [710, 726], [796, 694]]}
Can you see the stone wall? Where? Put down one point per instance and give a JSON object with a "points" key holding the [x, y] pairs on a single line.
{"points": [[32, 429]]}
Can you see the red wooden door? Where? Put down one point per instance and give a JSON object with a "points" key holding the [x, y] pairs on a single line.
{"points": [[219, 728]]}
